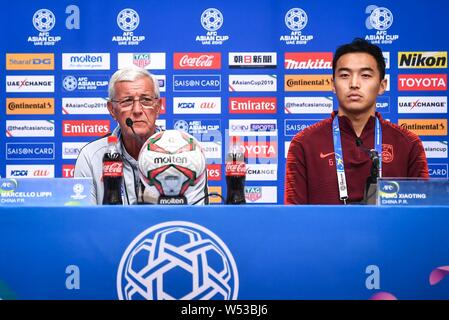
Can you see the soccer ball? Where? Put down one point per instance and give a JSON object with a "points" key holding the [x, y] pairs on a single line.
{"points": [[172, 163]]}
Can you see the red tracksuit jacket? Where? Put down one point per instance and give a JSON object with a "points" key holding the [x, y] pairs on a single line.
{"points": [[311, 176]]}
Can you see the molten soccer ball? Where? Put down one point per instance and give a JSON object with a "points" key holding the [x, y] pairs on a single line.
{"points": [[171, 164]]}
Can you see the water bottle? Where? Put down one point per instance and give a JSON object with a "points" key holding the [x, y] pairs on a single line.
{"points": [[112, 173], [235, 175]]}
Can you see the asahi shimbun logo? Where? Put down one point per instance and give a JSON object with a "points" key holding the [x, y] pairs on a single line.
{"points": [[128, 20], [380, 19], [174, 252], [211, 20], [296, 19], [44, 21]]}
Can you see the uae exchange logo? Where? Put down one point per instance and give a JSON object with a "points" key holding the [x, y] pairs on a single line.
{"points": [[44, 20], [296, 19], [128, 19], [177, 260], [211, 19]]}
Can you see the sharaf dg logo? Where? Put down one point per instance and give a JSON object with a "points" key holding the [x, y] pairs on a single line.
{"points": [[169, 254], [424, 59], [30, 61]]}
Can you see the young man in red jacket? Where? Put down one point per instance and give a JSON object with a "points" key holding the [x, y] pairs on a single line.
{"points": [[329, 162]]}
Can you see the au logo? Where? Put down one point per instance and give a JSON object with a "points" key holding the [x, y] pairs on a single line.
{"points": [[177, 260]]}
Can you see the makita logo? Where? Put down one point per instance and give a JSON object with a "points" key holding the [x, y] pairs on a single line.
{"points": [[85, 127], [252, 105], [422, 82], [170, 160], [422, 59], [308, 60], [197, 60]]}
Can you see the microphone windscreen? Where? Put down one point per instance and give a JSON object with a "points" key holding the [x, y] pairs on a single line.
{"points": [[129, 122]]}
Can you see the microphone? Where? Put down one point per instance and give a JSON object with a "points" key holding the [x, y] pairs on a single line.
{"points": [[130, 123], [358, 142]]}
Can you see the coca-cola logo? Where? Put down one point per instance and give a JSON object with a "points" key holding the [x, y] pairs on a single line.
{"points": [[210, 60], [112, 169], [235, 169], [201, 61]]}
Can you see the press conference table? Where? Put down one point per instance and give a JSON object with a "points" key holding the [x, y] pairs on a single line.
{"points": [[232, 252]]}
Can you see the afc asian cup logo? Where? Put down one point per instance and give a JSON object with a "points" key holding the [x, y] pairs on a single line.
{"points": [[181, 125], [177, 260], [70, 83], [128, 19], [44, 20], [296, 19], [381, 18], [211, 19]]}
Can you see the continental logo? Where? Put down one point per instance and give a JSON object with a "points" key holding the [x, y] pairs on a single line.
{"points": [[30, 106], [30, 61], [423, 59], [311, 82], [425, 127]]}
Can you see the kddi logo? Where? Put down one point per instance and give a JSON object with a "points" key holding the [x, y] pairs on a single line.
{"points": [[128, 20], [211, 20], [422, 59], [44, 20], [296, 19], [380, 19]]}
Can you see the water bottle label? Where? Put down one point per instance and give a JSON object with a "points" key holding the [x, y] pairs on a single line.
{"points": [[112, 169], [236, 169]]}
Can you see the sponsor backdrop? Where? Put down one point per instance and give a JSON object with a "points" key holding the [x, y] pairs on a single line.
{"points": [[258, 70]]}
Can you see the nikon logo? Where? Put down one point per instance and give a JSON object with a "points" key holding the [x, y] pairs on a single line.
{"points": [[172, 159], [425, 59]]}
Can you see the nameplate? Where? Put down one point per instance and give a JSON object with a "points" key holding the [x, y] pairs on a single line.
{"points": [[46, 192], [413, 192]]}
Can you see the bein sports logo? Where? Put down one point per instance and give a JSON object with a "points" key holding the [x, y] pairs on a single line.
{"points": [[128, 19], [177, 260]]}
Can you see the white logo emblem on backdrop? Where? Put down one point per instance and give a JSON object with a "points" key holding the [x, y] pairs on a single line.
{"points": [[296, 19], [70, 83], [211, 19], [78, 190], [44, 20], [177, 260], [128, 19], [181, 125], [380, 19]]}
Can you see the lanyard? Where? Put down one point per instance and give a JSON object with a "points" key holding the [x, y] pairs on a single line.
{"points": [[342, 185]]}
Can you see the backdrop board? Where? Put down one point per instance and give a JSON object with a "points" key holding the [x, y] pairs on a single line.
{"points": [[256, 69]]}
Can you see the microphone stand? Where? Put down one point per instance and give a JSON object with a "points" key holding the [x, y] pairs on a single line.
{"points": [[370, 196]]}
